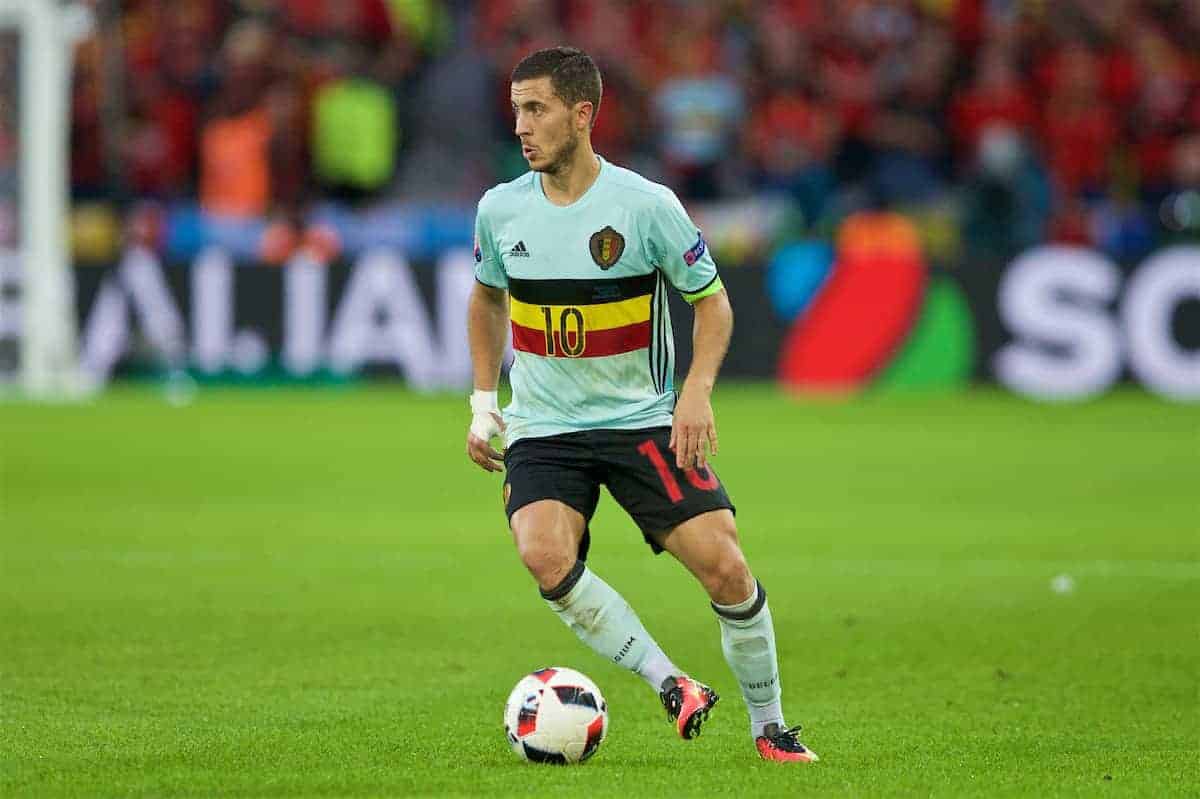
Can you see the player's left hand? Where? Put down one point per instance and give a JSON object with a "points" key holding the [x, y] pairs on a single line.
{"points": [[694, 431]]}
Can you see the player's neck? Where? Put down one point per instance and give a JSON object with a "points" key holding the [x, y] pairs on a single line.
{"points": [[574, 179]]}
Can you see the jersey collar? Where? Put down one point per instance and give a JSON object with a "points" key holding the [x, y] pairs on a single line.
{"points": [[583, 199]]}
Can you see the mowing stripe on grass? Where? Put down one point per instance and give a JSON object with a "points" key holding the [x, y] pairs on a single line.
{"points": [[901, 568]]}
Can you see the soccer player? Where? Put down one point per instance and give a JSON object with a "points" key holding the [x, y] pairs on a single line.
{"points": [[578, 255]]}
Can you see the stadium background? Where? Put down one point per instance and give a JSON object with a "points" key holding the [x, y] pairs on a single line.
{"points": [[240, 568], [866, 173]]}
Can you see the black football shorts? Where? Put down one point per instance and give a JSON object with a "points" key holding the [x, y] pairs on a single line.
{"points": [[635, 465]]}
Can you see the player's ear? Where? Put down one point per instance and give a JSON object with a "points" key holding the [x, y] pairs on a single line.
{"points": [[585, 112]]}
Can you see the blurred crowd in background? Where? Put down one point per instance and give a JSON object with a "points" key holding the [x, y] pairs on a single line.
{"points": [[1030, 120]]}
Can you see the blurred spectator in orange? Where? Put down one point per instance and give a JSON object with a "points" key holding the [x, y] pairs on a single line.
{"points": [[235, 168]]}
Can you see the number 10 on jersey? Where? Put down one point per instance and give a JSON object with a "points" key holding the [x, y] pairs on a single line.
{"points": [[567, 319]]}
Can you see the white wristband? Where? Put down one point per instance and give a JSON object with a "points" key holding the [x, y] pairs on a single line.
{"points": [[484, 402]]}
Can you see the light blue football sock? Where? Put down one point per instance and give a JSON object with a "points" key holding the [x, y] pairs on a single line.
{"points": [[748, 641], [604, 621]]}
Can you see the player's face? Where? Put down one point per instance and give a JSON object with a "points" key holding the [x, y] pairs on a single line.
{"points": [[545, 125]]}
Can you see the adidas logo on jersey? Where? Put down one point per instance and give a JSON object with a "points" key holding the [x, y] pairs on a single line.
{"points": [[519, 251]]}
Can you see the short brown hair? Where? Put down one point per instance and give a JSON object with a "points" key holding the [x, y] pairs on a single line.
{"points": [[573, 75]]}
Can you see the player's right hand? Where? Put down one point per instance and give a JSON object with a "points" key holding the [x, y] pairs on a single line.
{"points": [[486, 424], [479, 447]]}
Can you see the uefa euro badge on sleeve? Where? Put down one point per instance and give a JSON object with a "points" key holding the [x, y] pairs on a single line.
{"points": [[696, 251], [606, 247]]}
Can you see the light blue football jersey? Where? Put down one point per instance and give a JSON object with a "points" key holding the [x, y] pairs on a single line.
{"points": [[587, 286]]}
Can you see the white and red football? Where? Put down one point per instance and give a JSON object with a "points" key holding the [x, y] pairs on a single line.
{"points": [[555, 715]]}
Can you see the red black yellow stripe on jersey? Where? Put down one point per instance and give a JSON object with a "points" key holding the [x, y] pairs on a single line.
{"points": [[582, 318]]}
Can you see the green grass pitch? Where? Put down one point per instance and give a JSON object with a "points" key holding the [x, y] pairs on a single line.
{"points": [[273, 593]]}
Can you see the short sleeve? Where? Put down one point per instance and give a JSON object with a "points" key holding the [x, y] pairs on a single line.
{"points": [[680, 251], [488, 268]]}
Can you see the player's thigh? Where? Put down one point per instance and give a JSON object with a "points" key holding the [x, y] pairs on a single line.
{"points": [[642, 477], [548, 534], [550, 493]]}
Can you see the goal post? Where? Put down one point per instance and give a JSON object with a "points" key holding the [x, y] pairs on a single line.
{"points": [[41, 315]]}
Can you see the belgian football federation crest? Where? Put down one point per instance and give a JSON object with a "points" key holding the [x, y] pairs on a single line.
{"points": [[606, 247]]}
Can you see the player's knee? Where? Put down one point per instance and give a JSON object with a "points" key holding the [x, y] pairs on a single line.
{"points": [[548, 564], [729, 579], [732, 572]]}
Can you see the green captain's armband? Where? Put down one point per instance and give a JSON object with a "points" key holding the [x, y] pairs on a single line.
{"points": [[712, 288]]}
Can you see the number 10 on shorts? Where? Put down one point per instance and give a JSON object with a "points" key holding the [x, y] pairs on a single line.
{"points": [[708, 482]]}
